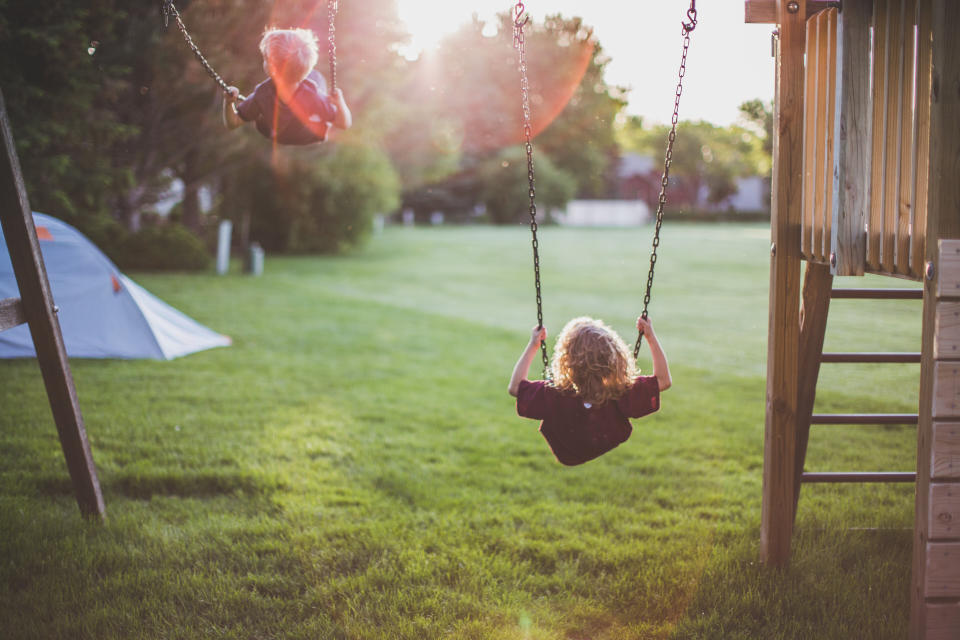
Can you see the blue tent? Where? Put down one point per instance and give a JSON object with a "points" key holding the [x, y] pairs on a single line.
{"points": [[103, 314]]}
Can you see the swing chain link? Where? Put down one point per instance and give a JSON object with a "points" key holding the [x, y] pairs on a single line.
{"points": [[667, 161], [332, 7], [167, 10], [519, 43]]}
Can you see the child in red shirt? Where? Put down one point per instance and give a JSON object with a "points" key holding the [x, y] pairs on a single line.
{"points": [[585, 408], [292, 105]]}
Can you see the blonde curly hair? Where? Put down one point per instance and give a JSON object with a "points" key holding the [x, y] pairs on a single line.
{"points": [[290, 54], [592, 361]]}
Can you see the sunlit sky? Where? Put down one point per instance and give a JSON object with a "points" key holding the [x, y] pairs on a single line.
{"points": [[729, 61]]}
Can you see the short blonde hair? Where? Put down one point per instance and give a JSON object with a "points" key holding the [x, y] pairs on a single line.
{"points": [[290, 54], [591, 360]]}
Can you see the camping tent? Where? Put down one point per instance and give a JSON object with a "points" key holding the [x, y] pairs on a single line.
{"points": [[102, 313]]}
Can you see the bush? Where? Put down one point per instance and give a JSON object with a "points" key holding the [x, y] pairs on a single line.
{"points": [[168, 247], [505, 189], [319, 201]]}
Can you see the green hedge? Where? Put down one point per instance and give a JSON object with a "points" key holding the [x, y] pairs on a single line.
{"points": [[167, 247]]}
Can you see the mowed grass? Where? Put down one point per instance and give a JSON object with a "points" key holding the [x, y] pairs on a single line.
{"points": [[354, 468]]}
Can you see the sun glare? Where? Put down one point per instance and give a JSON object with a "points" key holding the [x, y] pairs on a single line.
{"points": [[430, 22]]}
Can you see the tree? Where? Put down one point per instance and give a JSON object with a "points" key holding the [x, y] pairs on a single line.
{"points": [[504, 189], [706, 160], [473, 113], [60, 90]]}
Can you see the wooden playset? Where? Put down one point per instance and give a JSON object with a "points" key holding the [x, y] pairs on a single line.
{"points": [[866, 179]]}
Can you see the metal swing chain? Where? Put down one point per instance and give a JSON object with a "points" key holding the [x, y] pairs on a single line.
{"points": [[520, 20], [667, 160], [332, 7], [167, 10]]}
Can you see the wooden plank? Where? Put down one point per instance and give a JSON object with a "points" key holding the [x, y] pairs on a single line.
{"points": [[783, 339], [943, 620], [921, 159], [946, 389], [11, 313], [948, 261], [814, 307], [826, 216], [944, 510], [765, 11], [945, 451], [878, 294], [947, 335], [891, 182], [943, 570], [852, 142], [24, 248], [857, 476], [822, 25], [878, 134], [810, 115], [907, 94], [943, 189]]}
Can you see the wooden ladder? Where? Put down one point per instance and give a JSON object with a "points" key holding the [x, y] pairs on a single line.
{"points": [[817, 292], [35, 307]]}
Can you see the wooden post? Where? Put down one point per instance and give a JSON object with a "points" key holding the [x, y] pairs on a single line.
{"points": [[817, 283], [940, 617], [37, 306], [779, 449], [852, 144]]}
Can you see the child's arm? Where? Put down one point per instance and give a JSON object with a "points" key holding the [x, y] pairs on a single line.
{"points": [[344, 119], [231, 119], [522, 367], [660, 367]]}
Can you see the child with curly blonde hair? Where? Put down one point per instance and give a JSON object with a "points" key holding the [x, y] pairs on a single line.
{"points": [[292, 105], [595, 389]]}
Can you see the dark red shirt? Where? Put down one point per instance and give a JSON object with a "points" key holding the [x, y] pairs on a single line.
{"points": [[575, 430]]}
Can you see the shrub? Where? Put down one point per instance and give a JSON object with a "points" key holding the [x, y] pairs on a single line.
{"points": [[168, 247], [319, 201]]}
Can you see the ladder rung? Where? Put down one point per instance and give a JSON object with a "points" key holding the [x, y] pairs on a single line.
{"points": [[859, 476], [879, 294], [864, 418], [11, 313], [870, 357]]}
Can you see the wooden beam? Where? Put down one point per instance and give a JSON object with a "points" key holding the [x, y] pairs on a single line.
{"points": [[921, 167], [948, 280], [944, 520], [945, 451], [817, 284], [21, 238], [848, 243], [943, 570], [905, 196], [947, 344], [878, 132], [780, 433], [946, 389], [943, 222], [765, 11], [11, 313], [943, 620]]}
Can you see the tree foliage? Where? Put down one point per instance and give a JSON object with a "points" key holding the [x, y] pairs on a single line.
{"points": [[707, 159]]}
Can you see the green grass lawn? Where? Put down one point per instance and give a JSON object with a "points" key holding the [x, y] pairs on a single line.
{"points": [[354, 468]]}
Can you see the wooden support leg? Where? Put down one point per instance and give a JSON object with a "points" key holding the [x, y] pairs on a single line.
{"points": [[934, 611], [779, 448], [817, 283], [21, 236]]}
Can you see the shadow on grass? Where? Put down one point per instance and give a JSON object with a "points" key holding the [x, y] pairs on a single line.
{"points": [[204, 484]]}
